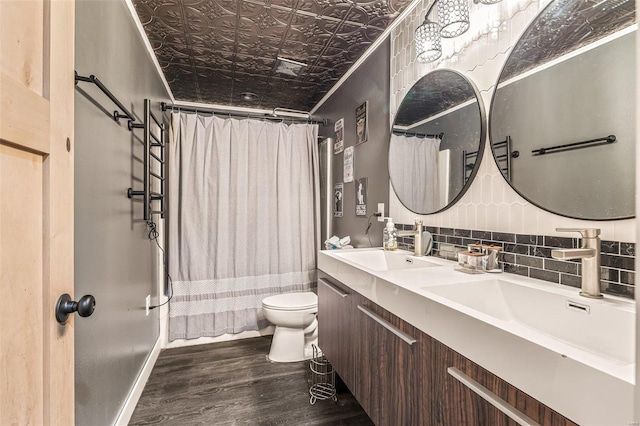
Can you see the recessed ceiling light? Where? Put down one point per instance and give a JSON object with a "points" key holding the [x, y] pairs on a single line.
{"points": [[289, 67], [248, 96]]}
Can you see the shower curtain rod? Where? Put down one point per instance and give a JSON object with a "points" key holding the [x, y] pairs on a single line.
{"points": [[272, 116], [419, 135]]}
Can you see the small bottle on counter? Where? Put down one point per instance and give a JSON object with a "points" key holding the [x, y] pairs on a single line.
{"points": [[390, 236]]}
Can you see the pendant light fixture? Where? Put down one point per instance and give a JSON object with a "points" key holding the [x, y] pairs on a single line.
{"points": [[428, 41], [453, 20], [454, 17]]}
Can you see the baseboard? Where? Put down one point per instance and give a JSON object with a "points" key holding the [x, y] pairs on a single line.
{"points": [[224, 338], [132, 399]]}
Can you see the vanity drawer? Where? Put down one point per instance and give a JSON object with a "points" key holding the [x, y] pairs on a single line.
{"points": [[471, 395]]}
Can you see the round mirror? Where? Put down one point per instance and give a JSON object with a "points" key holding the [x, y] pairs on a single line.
{"points": [[562, 122], [436, 142]]}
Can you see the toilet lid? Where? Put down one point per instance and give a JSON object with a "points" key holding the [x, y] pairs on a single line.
{"points": [[291, 301]]}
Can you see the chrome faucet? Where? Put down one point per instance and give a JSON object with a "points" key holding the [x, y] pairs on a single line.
{"points": [[416, 233], [589, 252]]}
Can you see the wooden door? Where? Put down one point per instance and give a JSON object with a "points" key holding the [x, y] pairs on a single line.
{"points": [[36, 210]]}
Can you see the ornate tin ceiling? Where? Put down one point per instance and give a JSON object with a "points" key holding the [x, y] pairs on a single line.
{"points": [[211, 51], [434, 93], [564, 26]]}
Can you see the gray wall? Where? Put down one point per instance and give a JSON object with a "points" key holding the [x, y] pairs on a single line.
{"points": [[586, 97], [114, 260], [370, 82]]}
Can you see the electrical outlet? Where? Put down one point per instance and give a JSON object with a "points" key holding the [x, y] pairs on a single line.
{"points": [[381, 211], [148, 303]]}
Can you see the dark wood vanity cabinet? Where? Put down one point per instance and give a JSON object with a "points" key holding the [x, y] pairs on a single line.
{"points": [[336, 327], [385, 365], [454, 403], [401, 376]]}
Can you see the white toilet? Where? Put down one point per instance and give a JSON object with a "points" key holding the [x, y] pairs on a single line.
{"points": [[294, 315]]}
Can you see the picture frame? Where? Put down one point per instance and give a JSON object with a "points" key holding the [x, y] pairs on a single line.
{"points": [[362, 123], [348, 165], [338, 199], [361, 196], [338, 128]]}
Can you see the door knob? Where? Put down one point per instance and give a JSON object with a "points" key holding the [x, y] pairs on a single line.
{"points": [[65, 306]]}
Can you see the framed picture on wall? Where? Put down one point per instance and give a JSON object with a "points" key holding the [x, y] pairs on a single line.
{"points": [[362, 131], [338, 192], [361, 197], [348, 165], [338, 146]]}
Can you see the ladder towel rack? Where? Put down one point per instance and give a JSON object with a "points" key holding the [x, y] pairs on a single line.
{"points": [[151, 141], [504, 159], [469, 159]]}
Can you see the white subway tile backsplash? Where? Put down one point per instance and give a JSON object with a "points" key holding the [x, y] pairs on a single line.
{"points": [[487, 187], [481, 216], [530, 218], [462, 215], [497, 183], [476, 191], [516, 218]]}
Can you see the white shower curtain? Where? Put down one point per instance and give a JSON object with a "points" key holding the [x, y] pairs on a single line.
{"points": [[243, 220], [413, 166]]}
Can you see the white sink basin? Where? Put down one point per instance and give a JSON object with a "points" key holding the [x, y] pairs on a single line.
{"points": [[601, 327], [382, 260]]}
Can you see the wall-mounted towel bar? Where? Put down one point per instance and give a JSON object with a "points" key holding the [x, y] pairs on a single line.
{"points": [[151, 141], [419, 135], [575, 145], [116, 114]]}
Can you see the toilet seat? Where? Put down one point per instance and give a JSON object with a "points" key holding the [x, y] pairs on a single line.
{"points": [[291, 301]]}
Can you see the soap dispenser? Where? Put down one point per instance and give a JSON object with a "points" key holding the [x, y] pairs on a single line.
{"points": [[390, 236]]}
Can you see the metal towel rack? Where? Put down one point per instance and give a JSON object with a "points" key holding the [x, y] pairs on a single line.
{"points": [[116, 115], [469, 159], [504, 159], [575, 145], [151, 141]]}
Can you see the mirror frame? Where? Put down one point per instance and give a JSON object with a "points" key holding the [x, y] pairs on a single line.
{"points": [[481, 145], [493, 154]]}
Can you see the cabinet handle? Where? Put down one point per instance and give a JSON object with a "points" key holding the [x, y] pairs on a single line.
{"points": [[410, 340], [492, 398], [332, 288]]}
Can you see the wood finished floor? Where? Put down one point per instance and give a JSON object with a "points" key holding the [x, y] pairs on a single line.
{"points": [[232, 383]]}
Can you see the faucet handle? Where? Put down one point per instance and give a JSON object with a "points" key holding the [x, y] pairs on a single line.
{"points": [[585, 232]]}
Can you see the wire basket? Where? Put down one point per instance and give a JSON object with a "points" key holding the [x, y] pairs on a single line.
{"points": [[323, 378]]}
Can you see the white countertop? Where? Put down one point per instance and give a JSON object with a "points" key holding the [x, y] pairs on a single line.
{"points": [[590, 383]]}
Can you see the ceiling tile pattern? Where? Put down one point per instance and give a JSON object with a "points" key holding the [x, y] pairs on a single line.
{"points": [[213, 50], [564, 26], [434, 93]]}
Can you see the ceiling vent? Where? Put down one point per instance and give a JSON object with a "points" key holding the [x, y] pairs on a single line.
{"points": [[289, 67]]}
